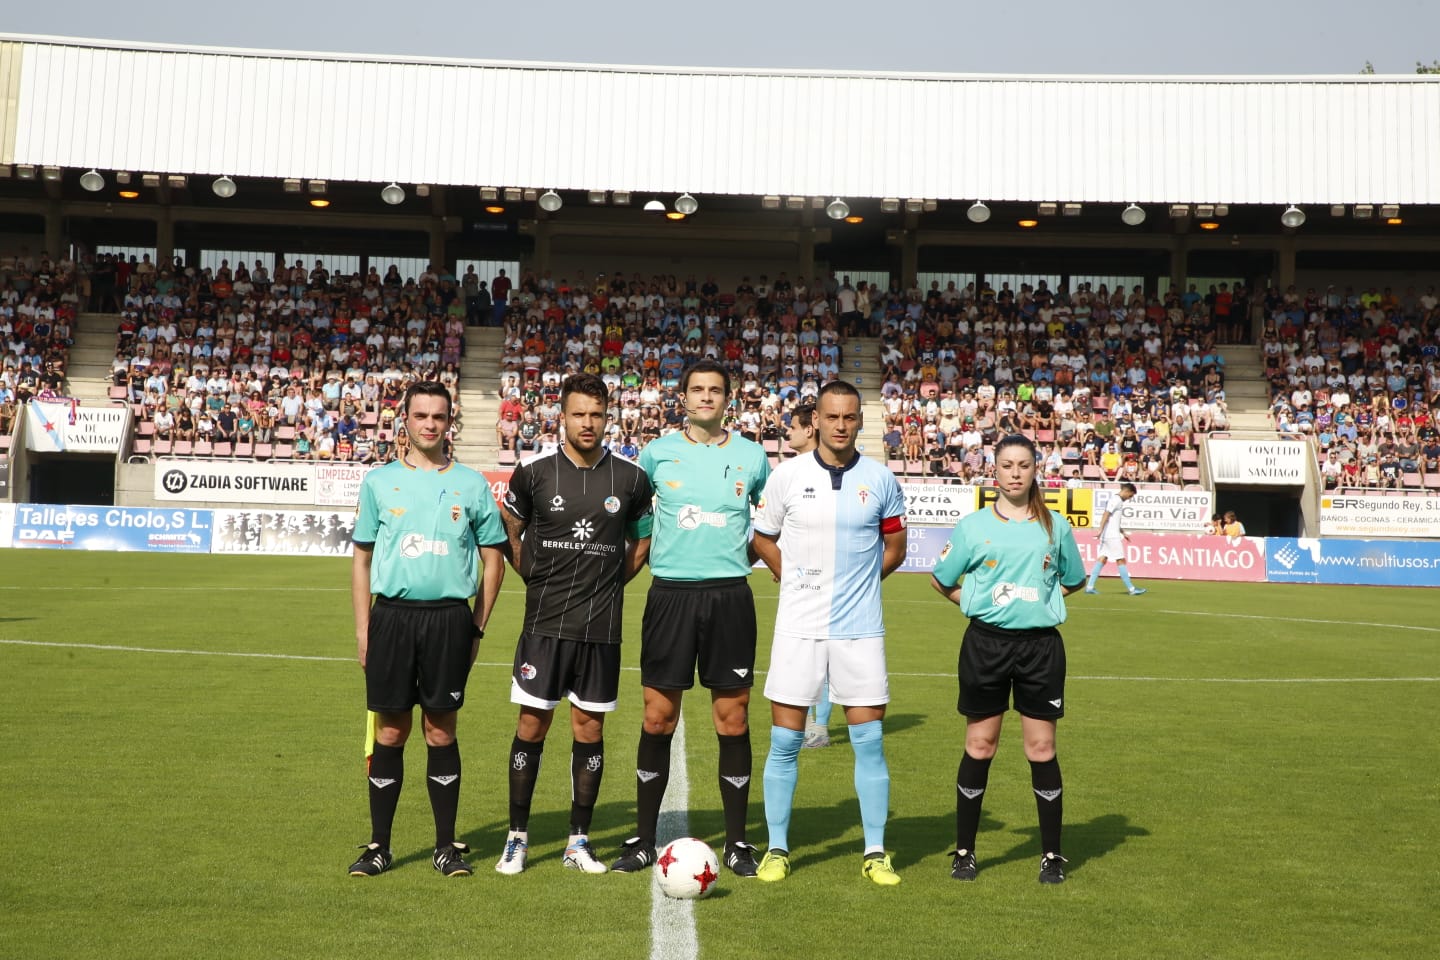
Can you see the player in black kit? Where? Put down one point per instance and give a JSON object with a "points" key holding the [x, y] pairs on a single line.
{"points": [[578, 522]]}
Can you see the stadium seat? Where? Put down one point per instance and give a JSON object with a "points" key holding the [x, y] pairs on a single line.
{"points": [[184, 448], [163, 448], [772, 446], [264, 451], [146, 428], [119, 393], [1432, 481], [243, 448], [285, 432], [1190, 474], [506, 458], [203, 448], [1045, 436], [283, 451], [897, 467], [223, 449], [142, 447], [1188, 456], [1411, 480], [1092, 472]]}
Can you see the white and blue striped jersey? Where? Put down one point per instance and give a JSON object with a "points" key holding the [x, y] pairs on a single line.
{"points": [[832, 525]]}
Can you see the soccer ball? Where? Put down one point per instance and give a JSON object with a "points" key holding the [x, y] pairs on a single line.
{"points": [[687, 869]]}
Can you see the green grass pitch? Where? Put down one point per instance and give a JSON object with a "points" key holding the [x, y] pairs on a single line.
{"points": [[159, 805]]}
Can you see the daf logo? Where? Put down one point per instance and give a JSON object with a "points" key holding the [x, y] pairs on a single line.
{"points": [[174, 481]]}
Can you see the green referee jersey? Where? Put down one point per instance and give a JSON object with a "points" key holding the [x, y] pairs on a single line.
{"points": [[1013, 573], [703, 496], [426, 527]]}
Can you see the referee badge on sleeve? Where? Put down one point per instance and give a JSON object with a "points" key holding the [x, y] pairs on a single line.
{"points": [[945, 551]]}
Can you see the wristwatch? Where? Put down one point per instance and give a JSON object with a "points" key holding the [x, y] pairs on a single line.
{"points": [[479, 633]]}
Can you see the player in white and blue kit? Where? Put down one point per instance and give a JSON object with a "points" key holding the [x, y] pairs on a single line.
{"points": [[842, 519], [1112, 541], [1018, 560]]}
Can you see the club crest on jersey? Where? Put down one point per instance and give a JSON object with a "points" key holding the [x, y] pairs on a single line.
{"points": [[863, 493], [455, 512], [612, 505], [739, 488]]}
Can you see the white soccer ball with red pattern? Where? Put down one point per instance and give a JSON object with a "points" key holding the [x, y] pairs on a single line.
{"points": [[687, 869]]}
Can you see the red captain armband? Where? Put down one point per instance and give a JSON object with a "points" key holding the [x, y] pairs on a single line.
{"points": [[892, 525]]}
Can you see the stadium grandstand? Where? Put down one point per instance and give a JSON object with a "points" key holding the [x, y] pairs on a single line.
{"points": [[244, 257]]}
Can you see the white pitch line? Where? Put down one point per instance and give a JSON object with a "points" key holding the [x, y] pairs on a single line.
{"points": [[672, 922], [681, 830]]}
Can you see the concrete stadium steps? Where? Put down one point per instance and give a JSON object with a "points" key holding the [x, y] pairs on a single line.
{"points": [[480, 398], [1247, 392], [87, 374], [860, 366]]}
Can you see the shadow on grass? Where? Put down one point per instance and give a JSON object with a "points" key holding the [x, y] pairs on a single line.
{"points": [[1084, 842], [612, 826]]}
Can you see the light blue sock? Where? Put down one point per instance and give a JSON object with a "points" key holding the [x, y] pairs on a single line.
{"points": [[782, 767], [822, 707], [1125, 577], [1094, 575], [872, 781]]}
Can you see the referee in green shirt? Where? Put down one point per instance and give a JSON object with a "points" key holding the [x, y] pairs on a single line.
{"points": [[699, 612], [1019, 561], [426, 532]]}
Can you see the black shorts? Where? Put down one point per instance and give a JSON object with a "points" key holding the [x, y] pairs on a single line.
{"points": [[709, 622], [993, 661], [420, 652], [548, 669]]}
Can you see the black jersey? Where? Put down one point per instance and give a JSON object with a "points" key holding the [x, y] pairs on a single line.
{"points": [[573, 561]]}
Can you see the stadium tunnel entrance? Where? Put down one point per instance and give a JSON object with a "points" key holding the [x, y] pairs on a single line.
{"points": [[1265, 512], [71, 478]]}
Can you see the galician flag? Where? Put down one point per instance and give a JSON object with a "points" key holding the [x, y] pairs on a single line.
{"points": [[48, 422]]}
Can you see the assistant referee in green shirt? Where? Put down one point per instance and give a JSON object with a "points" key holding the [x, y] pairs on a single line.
{"points": [[427, 532]]}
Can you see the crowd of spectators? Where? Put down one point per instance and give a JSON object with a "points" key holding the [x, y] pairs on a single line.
{"points": [[304, 363], [300, 363], [1111, 385], [1360, 373], [780, 340], [39, 298]]}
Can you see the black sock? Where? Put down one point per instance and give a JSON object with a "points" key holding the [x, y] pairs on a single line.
{"points": [[387, 775], [735, 762], [587, 766], [442, 777], [1045, 778], [970, 782], [524, 768], [652, 776]]}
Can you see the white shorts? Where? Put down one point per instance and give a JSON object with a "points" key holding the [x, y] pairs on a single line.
{"points": [[856, 668], [1112, 549]]}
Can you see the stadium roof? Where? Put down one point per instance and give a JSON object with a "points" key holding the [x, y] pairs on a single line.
{"points": [[187, 110]]}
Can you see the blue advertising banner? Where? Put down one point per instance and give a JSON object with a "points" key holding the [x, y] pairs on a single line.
{"points": [[1391, 563], [923, 546], [56, 527]]}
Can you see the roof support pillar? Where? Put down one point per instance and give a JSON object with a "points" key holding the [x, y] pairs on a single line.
{"points": [[54, 223], [909, 258], [540, 260], [1285, 261], [437, 244], [164, 235]]}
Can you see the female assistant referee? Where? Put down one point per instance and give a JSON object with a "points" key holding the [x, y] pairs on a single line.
{"points": [[1018, 561]]}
